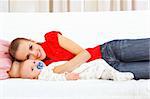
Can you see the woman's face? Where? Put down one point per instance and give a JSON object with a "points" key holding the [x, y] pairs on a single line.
{"points": [[29, 50]]}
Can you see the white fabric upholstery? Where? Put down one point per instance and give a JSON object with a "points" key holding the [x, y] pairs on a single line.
{"points": [[87, 29]]}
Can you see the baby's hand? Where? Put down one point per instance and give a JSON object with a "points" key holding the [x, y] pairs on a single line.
{"points": [[72, 76]]}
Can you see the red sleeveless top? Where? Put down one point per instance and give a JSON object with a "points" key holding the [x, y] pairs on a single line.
{"points": [[55, 52]]}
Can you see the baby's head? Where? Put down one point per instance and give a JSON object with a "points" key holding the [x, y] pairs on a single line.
{"points": [[30, 69]]}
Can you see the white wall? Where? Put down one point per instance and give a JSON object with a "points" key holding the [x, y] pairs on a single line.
{"points": [[72, 5], [87, 29], [4, 6], [142, 4], [24, 5]]}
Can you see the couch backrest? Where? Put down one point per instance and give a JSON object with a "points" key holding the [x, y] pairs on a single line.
{"points": [[87, 29]]}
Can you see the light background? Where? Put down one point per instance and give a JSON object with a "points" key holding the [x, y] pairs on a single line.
{"points": [[72, 5], [87, 29]]}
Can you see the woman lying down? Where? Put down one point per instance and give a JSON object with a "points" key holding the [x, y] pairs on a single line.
{"points": [[97, 69]]}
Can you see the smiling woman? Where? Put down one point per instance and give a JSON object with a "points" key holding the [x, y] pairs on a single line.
{"points": [[94, 28], [23, 49], [55, 48], [124, 55]]}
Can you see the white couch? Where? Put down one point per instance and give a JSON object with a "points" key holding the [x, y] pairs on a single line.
{"points": [[87, 29]]}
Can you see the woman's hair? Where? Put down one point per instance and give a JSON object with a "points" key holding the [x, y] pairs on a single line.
{"points": [[14, 46]]}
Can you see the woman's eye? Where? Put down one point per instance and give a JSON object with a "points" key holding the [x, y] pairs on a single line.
{"points": [[27, 56], [34, 62], [30, 47]]}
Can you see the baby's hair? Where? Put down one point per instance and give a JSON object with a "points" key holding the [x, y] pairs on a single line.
{"points": [[14, 46]]}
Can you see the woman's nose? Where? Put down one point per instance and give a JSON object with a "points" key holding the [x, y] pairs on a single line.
{"points": [[33, 54]]}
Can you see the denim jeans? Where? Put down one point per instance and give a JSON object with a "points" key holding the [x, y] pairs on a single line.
{"points": [[129, 55]]}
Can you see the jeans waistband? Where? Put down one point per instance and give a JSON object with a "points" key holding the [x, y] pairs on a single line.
{"points": [[108, 55]]}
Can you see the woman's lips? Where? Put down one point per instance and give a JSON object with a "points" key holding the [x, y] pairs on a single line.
{"points": [[39, 54]]}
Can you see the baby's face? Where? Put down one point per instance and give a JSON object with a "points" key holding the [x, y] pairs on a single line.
{"points": [[29, 69]]}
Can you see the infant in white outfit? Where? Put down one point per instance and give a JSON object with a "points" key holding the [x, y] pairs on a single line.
{"points": [[97, 69]]}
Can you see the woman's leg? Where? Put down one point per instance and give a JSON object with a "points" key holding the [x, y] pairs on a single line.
{"points": [[141, 70], [128, 55], [130, 50]]}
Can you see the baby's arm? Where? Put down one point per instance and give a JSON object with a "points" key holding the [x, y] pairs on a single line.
{"points": [[72, 76], [48, 74]]}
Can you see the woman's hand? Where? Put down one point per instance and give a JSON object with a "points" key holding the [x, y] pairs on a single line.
{"points": [[74, 63], [72, 76]]}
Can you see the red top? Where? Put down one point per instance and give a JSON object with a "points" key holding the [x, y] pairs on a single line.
{"points": [[54, 52]]}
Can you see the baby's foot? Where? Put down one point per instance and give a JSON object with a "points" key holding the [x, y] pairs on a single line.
{"points": [[123, 76]]}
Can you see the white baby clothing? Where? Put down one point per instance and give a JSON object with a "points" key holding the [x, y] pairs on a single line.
{"points": [[90, 70]]}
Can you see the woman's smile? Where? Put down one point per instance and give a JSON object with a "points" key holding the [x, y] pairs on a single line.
{"points": [[39, 54]]}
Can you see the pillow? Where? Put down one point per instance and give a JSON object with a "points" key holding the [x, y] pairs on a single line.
{"points": [[5, 59]]}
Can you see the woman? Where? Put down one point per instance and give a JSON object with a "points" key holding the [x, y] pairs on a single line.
{"points": [[124, 55]]}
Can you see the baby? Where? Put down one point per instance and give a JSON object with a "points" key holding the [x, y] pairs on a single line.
{"points": [[97, 69]]}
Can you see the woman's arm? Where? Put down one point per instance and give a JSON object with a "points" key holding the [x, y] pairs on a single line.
{"points": [[14, 70], [81, 55]]}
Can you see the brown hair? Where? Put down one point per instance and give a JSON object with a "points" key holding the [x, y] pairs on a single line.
{"points": [[14, 47]]}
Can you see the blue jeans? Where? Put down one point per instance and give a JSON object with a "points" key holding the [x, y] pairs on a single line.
{"points": [[129, 55]]}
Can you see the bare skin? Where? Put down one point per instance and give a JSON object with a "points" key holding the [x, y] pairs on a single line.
{"points": [[31, 50]]}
